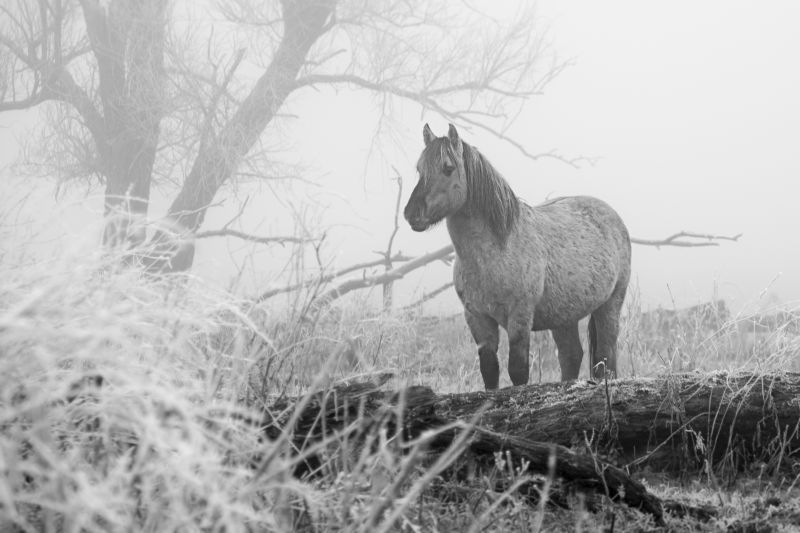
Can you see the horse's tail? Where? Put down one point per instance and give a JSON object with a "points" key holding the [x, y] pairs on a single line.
{"points": [[592, 331]]}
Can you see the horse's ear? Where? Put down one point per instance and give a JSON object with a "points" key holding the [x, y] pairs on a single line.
{"points": [[427, 135], [455, 140]]}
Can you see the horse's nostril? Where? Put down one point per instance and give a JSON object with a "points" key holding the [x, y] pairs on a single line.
{"points": [[417, 223]]}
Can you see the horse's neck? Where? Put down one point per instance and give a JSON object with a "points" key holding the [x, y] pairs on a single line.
{"points": [[471, 235]]}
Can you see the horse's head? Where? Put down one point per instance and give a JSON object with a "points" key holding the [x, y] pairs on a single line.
{"points": [[442, 186]]}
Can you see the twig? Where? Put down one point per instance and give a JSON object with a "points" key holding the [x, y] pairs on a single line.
{"points": [[392, 275], [210, 111], [673, 240], [399, 179], [227, 232], [238, 215], [396, 258], [428, 296], [387, 255]]}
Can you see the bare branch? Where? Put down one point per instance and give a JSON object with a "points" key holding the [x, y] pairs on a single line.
{"points": [[227, 232], [446, 255], [392, 275], [399, 179], [428, 100], [674, 240], [426, 297], [388, 287], [67, 91], [207, 130], [238, 214], [327, 278]]}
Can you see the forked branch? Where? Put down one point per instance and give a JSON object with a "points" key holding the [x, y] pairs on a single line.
{"points": [[392, 275], [327, 278]]}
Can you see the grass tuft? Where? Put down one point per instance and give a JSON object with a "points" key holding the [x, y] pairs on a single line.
{"points": [[136, 403]]}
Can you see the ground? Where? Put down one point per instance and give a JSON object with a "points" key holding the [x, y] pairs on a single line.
{"points": [[136, 403]]}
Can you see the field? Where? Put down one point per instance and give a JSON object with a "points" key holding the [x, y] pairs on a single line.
{"points": [[131, 403]]}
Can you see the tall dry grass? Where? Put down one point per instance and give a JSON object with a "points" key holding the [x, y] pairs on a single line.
{"points": [[129, 402], [113, 414], [134, 403]]}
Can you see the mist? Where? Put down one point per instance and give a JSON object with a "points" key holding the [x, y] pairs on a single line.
{"points": [[682, 117], [384, 265]]}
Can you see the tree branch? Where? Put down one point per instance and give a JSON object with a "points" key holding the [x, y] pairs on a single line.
{"points": [[207, 130], [398, 257], [67, 91], [674, 240], [227, 232], [388, 295], [303, 24], [392, 275], [426, 99], [446, 254], [426, 297]]}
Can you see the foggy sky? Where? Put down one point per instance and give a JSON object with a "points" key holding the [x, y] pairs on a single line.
{"points": [[690, 107]]}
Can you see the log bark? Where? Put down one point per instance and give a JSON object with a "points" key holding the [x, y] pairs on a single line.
{"points": [[673, 422], [678, 421]]}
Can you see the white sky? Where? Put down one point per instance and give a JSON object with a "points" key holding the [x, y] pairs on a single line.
{"points": [[692, 108]]}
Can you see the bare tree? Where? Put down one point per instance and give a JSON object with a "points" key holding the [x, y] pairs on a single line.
{"points": [[116, 98], [138, 95]]}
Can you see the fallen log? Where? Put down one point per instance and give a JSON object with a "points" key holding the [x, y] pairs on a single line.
{"points": [[681, 421], [674, 421]]}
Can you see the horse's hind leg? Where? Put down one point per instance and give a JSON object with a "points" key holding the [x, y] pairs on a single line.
{"points": [[570, 351], [606, 331], [519, 345], [485, 331]]}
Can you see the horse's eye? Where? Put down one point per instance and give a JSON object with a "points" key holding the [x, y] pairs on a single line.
{"points": [[448, 169]]}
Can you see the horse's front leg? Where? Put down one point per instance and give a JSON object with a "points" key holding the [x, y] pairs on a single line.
{"points": [[519, 344], [485, 331]]}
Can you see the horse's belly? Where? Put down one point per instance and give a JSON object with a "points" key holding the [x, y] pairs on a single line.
{"points": [[553, 317], [567, 305]]}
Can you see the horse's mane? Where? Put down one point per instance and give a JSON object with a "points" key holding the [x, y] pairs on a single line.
{"points": [[489, 194]]}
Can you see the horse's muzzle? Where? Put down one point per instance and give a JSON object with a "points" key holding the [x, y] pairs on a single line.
{"points": [[418, 224]]}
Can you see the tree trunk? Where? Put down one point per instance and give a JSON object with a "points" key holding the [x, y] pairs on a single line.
{"points": [[673, 422], [128, 42], [304, 22]]}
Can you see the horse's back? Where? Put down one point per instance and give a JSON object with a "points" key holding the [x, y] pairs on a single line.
{"points": [[580, 209], [583, 221]]}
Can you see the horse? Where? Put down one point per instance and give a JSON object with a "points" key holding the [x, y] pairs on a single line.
{"points": [[522, 267]]}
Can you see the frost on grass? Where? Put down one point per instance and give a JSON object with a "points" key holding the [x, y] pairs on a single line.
{"points": [[115, 413], [121, 402]]}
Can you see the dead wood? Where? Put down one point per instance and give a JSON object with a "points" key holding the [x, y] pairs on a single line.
{"points": [[673, 422]]}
